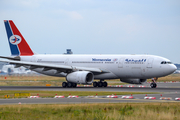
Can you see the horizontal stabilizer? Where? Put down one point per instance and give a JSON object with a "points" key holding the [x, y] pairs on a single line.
{"points": [[17, 58]]}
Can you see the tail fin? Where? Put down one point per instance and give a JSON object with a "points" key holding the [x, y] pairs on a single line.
{"points": [[17, 43]]}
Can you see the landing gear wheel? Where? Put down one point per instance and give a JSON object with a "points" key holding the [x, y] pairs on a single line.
{"points": [[74, 85], [95, 84], [69, 84], [100, 84], [64, 84], [105, 84], [153, 85]]}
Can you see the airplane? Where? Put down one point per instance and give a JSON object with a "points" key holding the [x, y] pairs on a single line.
{"points": [[83, 69]]}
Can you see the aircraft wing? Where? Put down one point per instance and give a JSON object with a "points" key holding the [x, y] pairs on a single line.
{"points": [[59, 68]]}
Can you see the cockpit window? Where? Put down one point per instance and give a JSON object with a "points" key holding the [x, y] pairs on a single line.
{"points": [[165, 62]]}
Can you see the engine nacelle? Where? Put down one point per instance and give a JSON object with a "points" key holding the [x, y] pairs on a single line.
{"points": [[80, 77], [133, 81]]}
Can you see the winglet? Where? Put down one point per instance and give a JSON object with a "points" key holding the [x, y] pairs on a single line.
{"points": [[17, 43]]}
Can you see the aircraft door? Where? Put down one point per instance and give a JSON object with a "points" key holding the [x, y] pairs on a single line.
{"points": [[144, 69], [33, 59], [120, 64], [149, 63], [66, 61]]}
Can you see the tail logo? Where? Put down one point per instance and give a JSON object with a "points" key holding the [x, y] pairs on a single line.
{"points": [[15, 39]]}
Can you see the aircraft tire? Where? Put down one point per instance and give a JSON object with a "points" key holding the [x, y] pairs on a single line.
{"points": [[69, 84], [74, 85], [64, 84], [153, 85], [100, 84], [95, 84], [105, 84]]}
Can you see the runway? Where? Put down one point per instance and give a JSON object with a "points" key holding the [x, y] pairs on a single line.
{"points": [[52, 88], [167, 90]]}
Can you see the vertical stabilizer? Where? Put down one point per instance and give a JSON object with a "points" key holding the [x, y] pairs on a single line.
{"points": [[17, 43]]}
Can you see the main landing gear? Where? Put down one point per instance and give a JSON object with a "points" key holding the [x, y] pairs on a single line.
{"points": [[69, 84], [153, 84], [100, 84]]}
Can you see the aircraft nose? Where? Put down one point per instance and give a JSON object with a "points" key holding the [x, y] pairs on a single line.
{"points": [[173, 68]]}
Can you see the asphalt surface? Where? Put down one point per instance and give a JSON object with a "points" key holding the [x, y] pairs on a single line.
{"points": [[167, 90], [135, 89], [99, 99]]}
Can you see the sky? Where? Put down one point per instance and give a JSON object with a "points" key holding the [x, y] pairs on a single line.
{"points": [[95, 26]]}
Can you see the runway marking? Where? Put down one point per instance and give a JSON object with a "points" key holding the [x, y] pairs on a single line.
{"points": [[136, 99]]}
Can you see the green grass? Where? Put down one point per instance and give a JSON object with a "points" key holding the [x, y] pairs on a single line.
{"points": [[30, 83], [66, 93], [116, 111]]}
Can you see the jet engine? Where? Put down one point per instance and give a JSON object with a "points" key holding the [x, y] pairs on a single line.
{"points": [[80, 77], [133, 81]]}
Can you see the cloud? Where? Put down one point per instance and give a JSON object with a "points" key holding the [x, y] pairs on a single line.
{"points": [[21, 4], [70, 14], [75, 15], [30, 3]]}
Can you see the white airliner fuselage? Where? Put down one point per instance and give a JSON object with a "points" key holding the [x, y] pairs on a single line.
{"points": [[116, 66]]}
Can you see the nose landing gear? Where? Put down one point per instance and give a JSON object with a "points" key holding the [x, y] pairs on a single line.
{"points": [[153, 84]]}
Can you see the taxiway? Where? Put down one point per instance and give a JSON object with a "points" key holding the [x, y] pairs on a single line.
{"points": [[167, 90]]}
